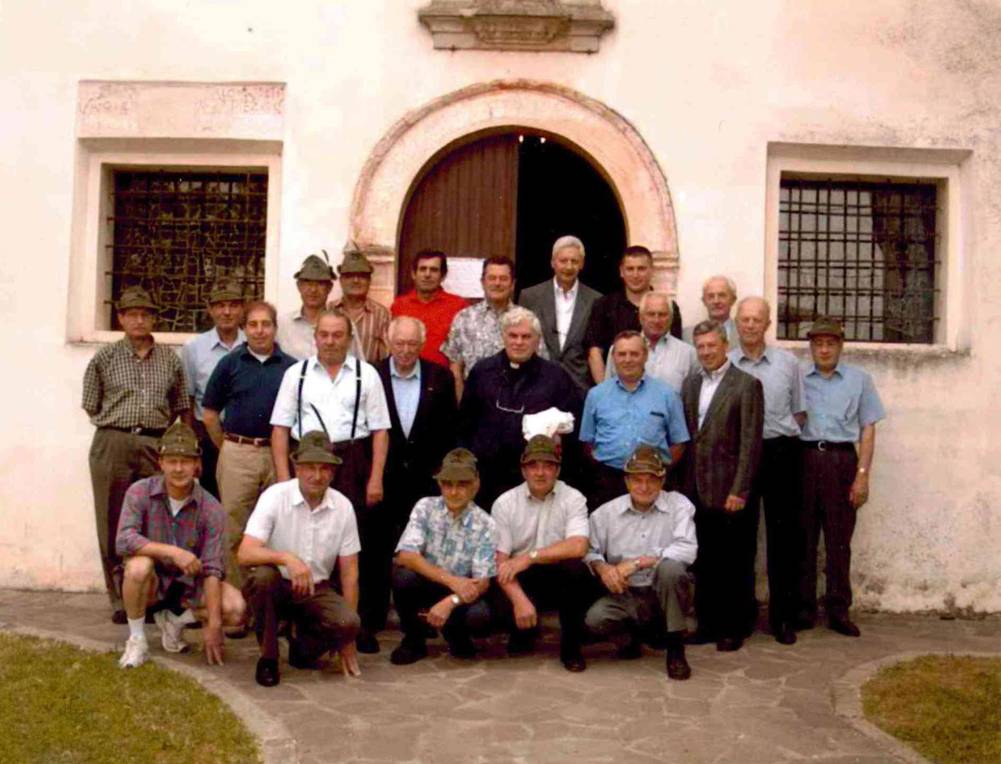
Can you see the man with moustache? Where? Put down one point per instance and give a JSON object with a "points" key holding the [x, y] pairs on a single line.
{"points": [[429, 303]]}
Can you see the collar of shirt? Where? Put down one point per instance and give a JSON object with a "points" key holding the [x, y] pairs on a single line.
{"points": [[216, 340], [714, 376], [618, 382], [124, 346], [246, 352], [414, 372], [365, 308], [159, 488], [767, 355], [298, 500], [347, 366], [566, 295], [544, 499], [814, 370], [659, 504]]}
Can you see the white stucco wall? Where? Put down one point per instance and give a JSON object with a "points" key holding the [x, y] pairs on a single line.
{"points": [[707, 85]]}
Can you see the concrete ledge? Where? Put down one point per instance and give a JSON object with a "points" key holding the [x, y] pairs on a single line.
{"points": [[277, 745], [846, 696]]}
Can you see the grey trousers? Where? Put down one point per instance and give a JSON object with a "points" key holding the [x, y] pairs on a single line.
{"points": [[117, 460], [663, 603]]}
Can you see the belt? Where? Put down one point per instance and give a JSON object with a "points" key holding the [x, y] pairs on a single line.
{"points": [[149, 432], [259, 442], [828, 445]]}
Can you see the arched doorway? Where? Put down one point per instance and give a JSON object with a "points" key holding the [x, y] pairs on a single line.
{"points": [[513, 193]]}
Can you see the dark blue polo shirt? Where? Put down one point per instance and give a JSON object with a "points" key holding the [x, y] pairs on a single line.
{"points": [[244, 389]]}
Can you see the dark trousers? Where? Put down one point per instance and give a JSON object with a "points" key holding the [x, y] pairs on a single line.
{"points": [[320, 622], [566, 586], [777, 486], [827, 480], [117, 460], [724, 570], [413, 593], [210, 459], [607, 483]]}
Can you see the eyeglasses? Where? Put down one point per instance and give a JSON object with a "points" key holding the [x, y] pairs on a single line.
{"points": [[510, 411]]}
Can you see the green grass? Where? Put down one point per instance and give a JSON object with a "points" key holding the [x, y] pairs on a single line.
{"points": [[62, 704], [948, 708]]}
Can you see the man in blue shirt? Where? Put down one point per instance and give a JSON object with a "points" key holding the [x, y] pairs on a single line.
{"points": [[626, 411], [842, 408], [243, 387]]}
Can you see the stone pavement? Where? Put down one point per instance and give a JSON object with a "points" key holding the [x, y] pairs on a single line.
{"points": [[765, 703]]}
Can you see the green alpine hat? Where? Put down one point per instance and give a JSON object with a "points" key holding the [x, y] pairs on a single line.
{"points": [[541, 448], [646, 459], [224, 290], [135, 297], [458, 464], [315, 448], [826, 326], [355, 262], [179, 440], [316, 268]]}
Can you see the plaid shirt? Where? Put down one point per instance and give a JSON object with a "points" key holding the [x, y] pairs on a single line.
{"points": [[199, 528], [120, 389], [465, 546], [371, 327]]}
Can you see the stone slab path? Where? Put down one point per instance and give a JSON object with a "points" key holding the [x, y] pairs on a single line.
{"points": [[765, 703]]}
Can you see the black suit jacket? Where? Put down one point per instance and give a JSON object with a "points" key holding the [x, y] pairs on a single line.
{"points": [[723, 456], [541, 300], [413, 459]]}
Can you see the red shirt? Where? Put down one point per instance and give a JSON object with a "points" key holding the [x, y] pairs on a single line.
{"points": [[437, 314]]}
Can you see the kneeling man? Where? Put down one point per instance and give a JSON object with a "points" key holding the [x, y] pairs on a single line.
{"points": [[541, 541], [444, 563], [172, 535], [641, 546], [298, 531]]}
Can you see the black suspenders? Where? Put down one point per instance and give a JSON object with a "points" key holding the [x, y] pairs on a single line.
{"points": [[354, 417]]}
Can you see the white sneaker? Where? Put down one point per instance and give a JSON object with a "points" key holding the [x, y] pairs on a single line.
{"points": [[136, 653], [171, 632]]}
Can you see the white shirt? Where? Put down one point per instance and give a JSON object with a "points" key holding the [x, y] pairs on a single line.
{"points": [[333, 398], [710, 381], [284, 522], [525, 523], [670, 361], [565, 302]]}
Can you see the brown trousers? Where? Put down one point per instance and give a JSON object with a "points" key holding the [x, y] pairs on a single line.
{"points": [[243, 472]]}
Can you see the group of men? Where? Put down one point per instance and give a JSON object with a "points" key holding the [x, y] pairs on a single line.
{"points": [[361, 453]]}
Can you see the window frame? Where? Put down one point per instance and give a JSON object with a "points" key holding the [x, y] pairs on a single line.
{"points": [[946, 168]]}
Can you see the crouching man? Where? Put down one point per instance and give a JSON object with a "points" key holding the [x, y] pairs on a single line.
{"points": [[299, 530], [541, 541], [171, 533], [444, 562], [641, 546]]}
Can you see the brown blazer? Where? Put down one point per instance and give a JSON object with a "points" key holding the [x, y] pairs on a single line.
{"points": [[723, 456]]}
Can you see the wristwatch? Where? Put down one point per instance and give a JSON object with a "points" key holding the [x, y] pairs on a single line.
{"points": [[533, 555], [456, 599]]}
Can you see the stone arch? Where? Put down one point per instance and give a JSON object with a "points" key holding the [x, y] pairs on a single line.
{"points": [[606, 138]]}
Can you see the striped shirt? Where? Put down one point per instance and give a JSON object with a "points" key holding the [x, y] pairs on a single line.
{"points": [[122, 389], [371, 326]]}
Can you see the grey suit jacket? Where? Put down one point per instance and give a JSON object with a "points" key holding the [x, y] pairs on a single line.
{"points": [[723, 457], [541, 300]]}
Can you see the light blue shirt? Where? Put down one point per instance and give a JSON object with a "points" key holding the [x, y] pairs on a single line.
{"points": [[616, 420], [407, 392], [782, 380], [839, 406], [464, 546], [200, 356]]}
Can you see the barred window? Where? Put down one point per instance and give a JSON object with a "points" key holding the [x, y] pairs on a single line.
{"points": [[176, 232], [864, 251]]}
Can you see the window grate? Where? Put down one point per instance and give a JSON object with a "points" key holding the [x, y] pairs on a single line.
{"points": [[175, 233], [861, 251]]}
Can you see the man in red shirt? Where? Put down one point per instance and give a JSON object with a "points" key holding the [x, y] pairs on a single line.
{"points": [[430, 303]]}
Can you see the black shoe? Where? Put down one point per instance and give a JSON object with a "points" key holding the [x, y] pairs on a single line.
{"points": [[520, 643], [631, 650], [729, 644], [407, 653], [300, 661], [844, 626], [699, 637], [367, 643], [677, 666], [239, 632], [119, 617], [784, 634], [462, 648], [573, 661], [267, 672], [802, 623]]}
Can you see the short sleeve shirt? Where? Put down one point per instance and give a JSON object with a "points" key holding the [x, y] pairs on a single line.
{"points": [[244, 389], [436, 315], [839, 406], [525, 523], [464, 545]]}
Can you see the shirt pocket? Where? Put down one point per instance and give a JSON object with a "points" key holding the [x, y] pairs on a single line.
{"points": [[653, 429]]}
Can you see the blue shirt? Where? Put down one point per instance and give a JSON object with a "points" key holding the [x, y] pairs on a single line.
{"points": [[200, 356], [839, 406], [782, 381], [245, 389], [617, 420], [464, 546], [407, 392]]}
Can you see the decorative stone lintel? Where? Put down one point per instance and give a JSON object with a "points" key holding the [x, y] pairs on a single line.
{"points": [[533, 25]]}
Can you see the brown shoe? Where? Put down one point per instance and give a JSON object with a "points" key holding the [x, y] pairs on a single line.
{"points": [[677, 666]]}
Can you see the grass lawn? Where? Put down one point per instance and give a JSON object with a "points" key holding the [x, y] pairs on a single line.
{"points": [[948, 708], [62, 704]]}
